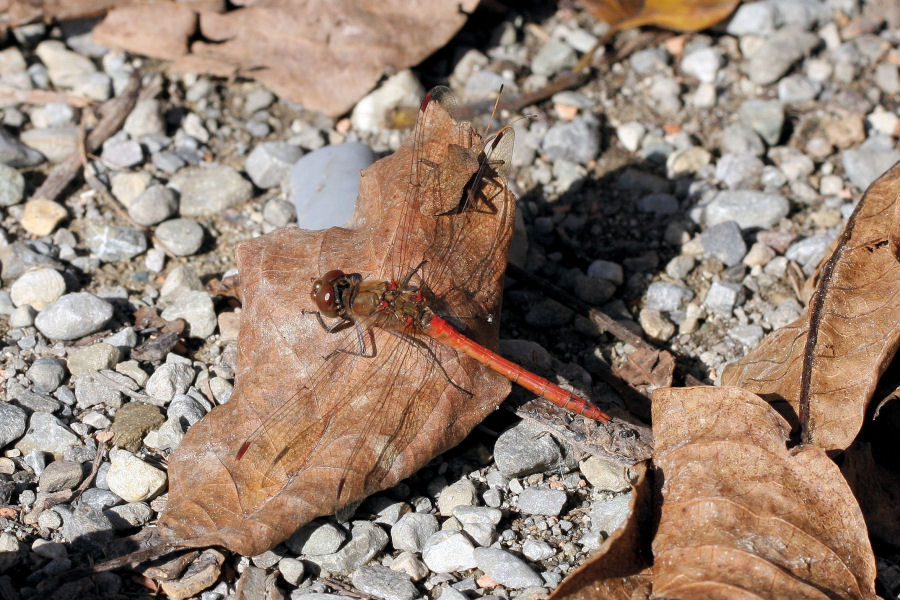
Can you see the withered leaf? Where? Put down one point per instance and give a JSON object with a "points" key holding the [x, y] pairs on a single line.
{"points": [[744, 516], [832, 357], [323, 54], [620, 569], [330, 432], [680, 15]]}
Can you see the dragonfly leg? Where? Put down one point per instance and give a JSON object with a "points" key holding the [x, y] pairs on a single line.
{"points": [[334, 327], [360, 338], [409, 275]]}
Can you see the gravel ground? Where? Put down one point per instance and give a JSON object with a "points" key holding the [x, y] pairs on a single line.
{"points": [[686, 190]]}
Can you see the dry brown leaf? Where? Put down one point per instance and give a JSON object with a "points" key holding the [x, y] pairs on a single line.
{"points": [[323, 54], [853, 317], [679, 15], [173, 23], [647, 369], [742, 515], [336, 431], [620, 569]]}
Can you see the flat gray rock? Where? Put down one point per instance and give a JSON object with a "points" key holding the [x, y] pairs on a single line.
{"points": [[73, 316]]}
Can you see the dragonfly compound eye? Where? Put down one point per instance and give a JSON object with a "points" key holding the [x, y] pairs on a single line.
{"points": [[323, 293]]}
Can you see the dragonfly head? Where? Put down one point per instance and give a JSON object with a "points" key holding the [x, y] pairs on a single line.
{"points": [[323, 293]]}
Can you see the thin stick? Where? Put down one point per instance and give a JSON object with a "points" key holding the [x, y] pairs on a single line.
{"points": [[11, 94], [114, 112]]}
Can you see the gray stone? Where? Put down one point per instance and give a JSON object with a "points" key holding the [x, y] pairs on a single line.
{"points": [[47, 434], [548, 313], [797, 89], [23, 316], [725, 242], [766, 117], [94, 85], [604, 269], [324, 184], [60, 475], [18, 258], [660, 204], [55, 143], [270, 162], [16, 154], [460, 493], [38, 288], [665, 296], [127, 516], [412, 530], [31, 400], [722, 297], [124, 339], [740, 138], [754, 18], [649, 60], [12, 423], [748, 335], [278, 212], [122, 153], [85, 523], [74, 316], [537, 550], [292, 570], [541, 501], [197, 309], [609, 515], [168, 380], [317, 538], [887, 77], [808, 252], [630, 135], [749, 208], [522, 450], [186, 408], [47, 373], [780, 51], [132, 479], [92, 358], [166, 161], [506, 569], [180, 281], [383, 582], [739, 170], [12, 186], [112, 243], [593, 290], [145, 119], [554, 56], [65, 68], [182, 237], [680, 266], [154, 205], [366, 541], [784, 314], [208, 190], [867, 163], [97, 388], [702, 63], [448, 551], [577, 141]]}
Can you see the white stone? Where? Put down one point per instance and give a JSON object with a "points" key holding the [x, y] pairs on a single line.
{"points": [[132, 479]]}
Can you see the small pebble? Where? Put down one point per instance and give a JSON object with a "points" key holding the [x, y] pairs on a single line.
{"points": [[38, 288], [60, 475], [182, 237], [725, 242], [749, 208], [153, 205], [383, 582], [41, 216], [324, 184], [317, 538], [722, 297], [412, 531], [577, 141], [113, 243], [541, 501], [270, 162], [92, 358], [12, 186], [207, 191], [133, 479], [448, 552], [74, 316], [664, 296], [197, 309], [459, 493], [506, 569]]}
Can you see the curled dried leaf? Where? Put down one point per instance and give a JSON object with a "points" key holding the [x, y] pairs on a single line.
{"points": [[744, 516], [827, 363]]}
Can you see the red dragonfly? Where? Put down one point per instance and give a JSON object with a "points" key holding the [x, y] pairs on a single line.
{"points": [[452, 191]]}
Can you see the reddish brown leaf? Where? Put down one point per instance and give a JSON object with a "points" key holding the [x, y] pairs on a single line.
{"points": [[620, 569], [832, 357], [647, 369], [680, 15], [742, 515], [336, 431]]}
